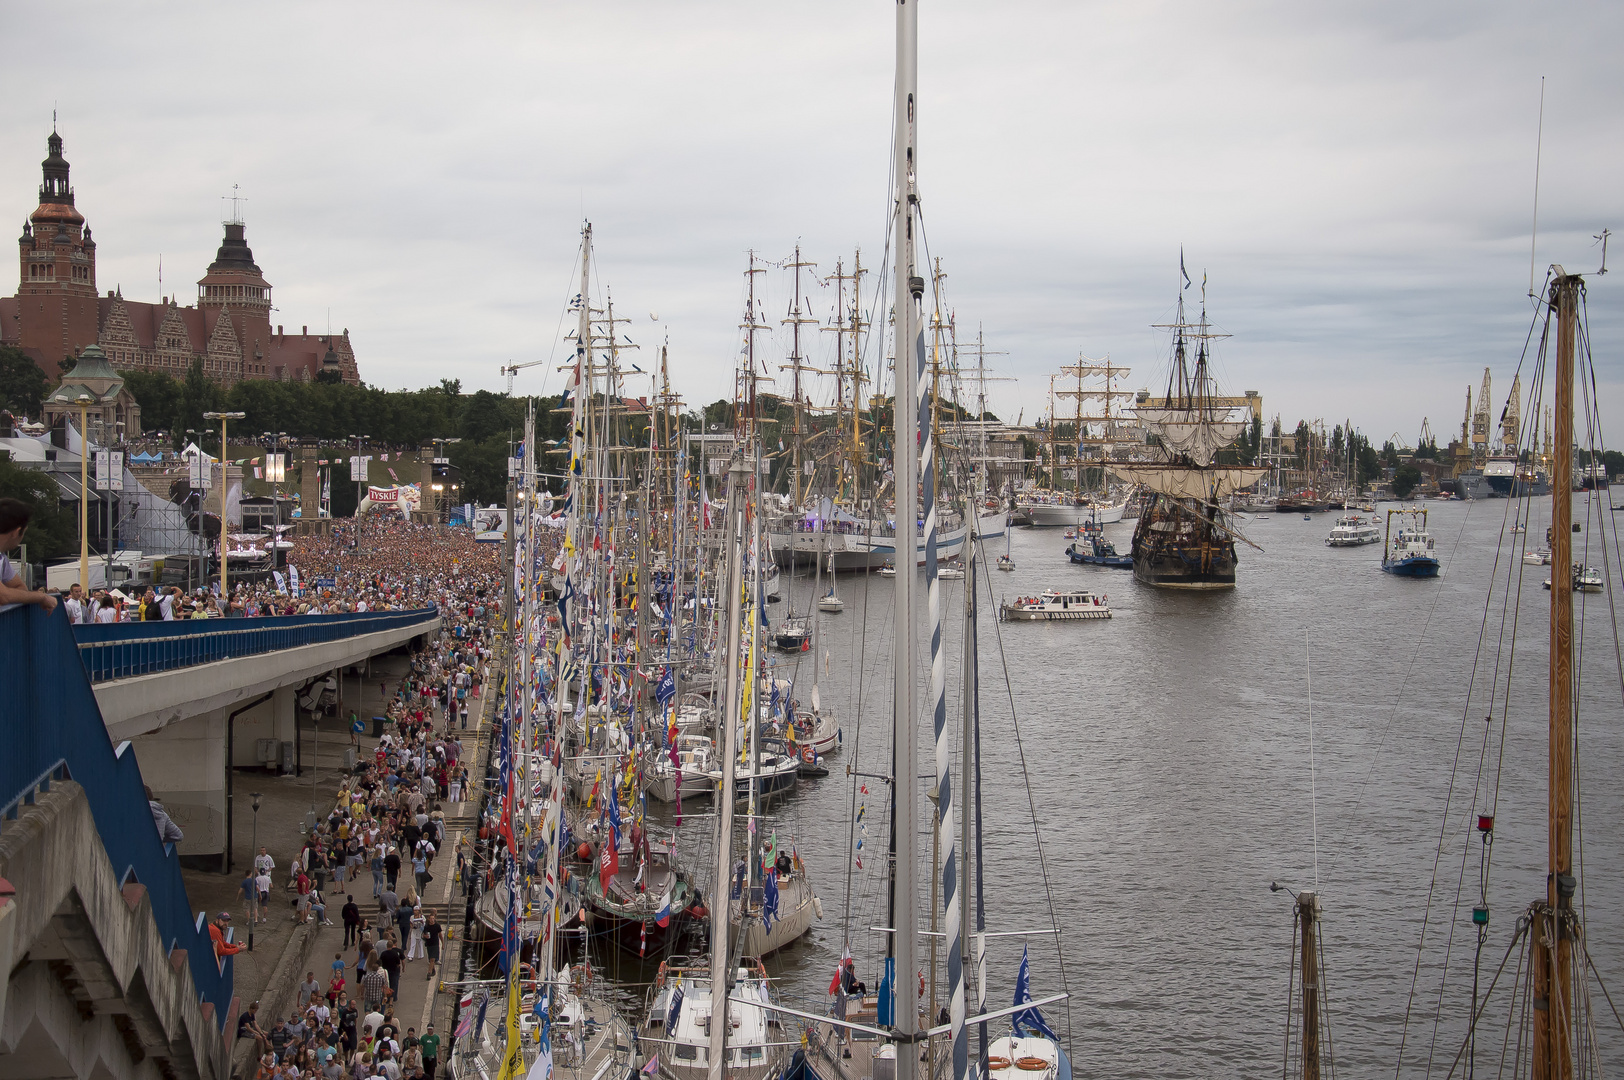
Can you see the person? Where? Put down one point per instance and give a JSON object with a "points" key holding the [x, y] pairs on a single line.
{"points": [[849, 981], [377, 871], [168, 831], [430, 1045], [308, 989], [374, 985], [431, 942], [351, 914], [104, 609], [250, 895], [217, 932], [390, 959], [420, 867], [263, 861], [414, 944], [14, 517], [248, 1028], [75, 605], [318, 908], [262, 881], [391, 866]]}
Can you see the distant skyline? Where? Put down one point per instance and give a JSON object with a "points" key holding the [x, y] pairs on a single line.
{"points": [[1356, 183]]}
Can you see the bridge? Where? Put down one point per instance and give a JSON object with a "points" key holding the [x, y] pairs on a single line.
{"points": [[197, 693], [106, 968]]}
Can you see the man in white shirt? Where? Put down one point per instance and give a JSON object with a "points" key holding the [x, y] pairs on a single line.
{"points": [[75, 605], [168, 603], [263, 862]]}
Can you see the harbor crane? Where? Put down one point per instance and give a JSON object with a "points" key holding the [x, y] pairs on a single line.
{"points": [[510, 369]]}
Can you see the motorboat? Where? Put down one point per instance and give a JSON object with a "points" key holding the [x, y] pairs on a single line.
{"points": [[1542, 557], [1351, 530], [1411, 550], [1055, 606], [1005, 562], [1585, 579]]}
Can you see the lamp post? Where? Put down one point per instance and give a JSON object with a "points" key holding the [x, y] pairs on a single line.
{"points": [[276, 472], [441, 461], [360, 472], [225, 591], [84, 401], [255, 796]]}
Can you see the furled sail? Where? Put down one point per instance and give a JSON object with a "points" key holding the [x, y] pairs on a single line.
{"points": [[1185, 482], [1194, 433]]}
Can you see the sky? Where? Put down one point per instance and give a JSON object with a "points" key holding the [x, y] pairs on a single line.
{"points": [[1355, 182]]}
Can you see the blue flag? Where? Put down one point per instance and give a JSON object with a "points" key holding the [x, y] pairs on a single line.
{"points": [[665, 689], [769, 900], [675, 1010], [614, 817], [1028, 1021]]}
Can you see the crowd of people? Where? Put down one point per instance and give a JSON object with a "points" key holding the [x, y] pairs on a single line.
{"points": [[387, 826]]}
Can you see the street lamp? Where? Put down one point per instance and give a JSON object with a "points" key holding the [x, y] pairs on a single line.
{"points": [[84, 401], [225, 591], [255, 796], [359, 475], [276, 465]]}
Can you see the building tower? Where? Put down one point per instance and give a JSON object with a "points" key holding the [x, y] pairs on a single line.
{"points": [[56, 286], [235, 291]]}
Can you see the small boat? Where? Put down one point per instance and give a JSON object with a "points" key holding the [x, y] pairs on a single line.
{"points": [[1005, 562], [696, 757], [1308, 517], [1519, 527], [811, 765], [831, 603], [950, 571], [1093, 549], [1585, 579], [1411, 551], [1351, 530], [888, 570], [1069, 534], [794, 634], [1054, 606], [1542, 557]]}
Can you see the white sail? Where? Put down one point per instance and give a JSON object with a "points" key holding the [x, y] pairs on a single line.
{"points": [[1186, 482], [1197, 434]]}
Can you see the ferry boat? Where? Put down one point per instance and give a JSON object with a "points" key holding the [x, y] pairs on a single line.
{"points": [[1585, 579], [1411, 551], [1054, 605], [1351, 530]]}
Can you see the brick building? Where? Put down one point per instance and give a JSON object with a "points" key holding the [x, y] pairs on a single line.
{"points": [[57, 310]]}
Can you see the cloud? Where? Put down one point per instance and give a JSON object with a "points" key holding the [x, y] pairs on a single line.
{"points": [[1356, 180]]}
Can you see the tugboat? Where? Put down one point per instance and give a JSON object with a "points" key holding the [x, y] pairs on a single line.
{"points": [[1093, 549], [1411, 551]]}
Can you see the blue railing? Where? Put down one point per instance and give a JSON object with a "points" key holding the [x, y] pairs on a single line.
{"points": [[51, 728], [122, 650]]}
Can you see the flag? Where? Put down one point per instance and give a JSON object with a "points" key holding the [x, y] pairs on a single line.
{"points": [[663, 916], [653, 1066], [1183, 271], [614, 817], [675, 1010], [542, 1067], [840, 969], [642, 933], [593, 794], [608, 866], [465, 1021], [666, 688], [1028, 1018], [769, 900]]}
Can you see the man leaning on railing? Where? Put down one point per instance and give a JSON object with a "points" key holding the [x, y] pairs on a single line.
{"points": [[14, 515]]}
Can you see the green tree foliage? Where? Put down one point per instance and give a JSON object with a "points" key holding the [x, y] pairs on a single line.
{"points": [[22, 383], [51, 531], [1405, 480]]}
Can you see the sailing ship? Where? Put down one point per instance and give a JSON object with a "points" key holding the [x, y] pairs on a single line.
{"points": [[1183, 539]]}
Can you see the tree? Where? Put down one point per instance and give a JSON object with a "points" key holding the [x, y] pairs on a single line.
{"points": [[1405, 480], [51, 531], [330, 378], [22, 383]]}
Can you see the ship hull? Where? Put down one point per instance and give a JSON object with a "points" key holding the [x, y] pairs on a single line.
{"points": [[1051, 515], [1420, 566], [1177, 545], [870, 551]]}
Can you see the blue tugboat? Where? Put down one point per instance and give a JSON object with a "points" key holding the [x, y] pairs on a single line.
{"points": [[1410, 551], [1093, 549]]}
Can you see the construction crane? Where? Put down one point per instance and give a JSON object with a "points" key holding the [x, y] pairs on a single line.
{"points": [[1425, 437], [510, 369]]}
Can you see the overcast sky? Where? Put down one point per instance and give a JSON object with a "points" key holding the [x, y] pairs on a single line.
{"points": [[1356, 180]]}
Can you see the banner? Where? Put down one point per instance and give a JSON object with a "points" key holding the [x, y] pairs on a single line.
{"points": [[383, 495]]}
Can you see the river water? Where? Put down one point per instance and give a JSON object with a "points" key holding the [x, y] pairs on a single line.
{"points": [[1167, 754]]}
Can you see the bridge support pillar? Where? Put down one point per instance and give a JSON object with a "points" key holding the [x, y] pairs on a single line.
{"points": [[284, 717], [185, 766]]}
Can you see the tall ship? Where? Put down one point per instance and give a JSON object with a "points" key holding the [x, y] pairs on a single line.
{"points": [[1184, 539], [1086, 497]]}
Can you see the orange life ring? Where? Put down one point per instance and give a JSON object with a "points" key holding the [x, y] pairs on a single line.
{"points": [[1032, 1064], [996, 1063], [659, 979]]}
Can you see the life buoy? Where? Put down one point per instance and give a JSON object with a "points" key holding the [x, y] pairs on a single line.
{"points": [[659, 979], [994, 1064], [1032, 1064]]}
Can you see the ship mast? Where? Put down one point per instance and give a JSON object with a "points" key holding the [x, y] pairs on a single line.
{"points": [[1555, 922], [910, 358], [794, 322]]}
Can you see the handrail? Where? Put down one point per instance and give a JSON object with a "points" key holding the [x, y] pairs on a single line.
{"points": [[50, 729], [123, 650]]}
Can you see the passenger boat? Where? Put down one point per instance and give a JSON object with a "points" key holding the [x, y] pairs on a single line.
{"points": [[1054, 606], [1351, 530], [1411, 551]]}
